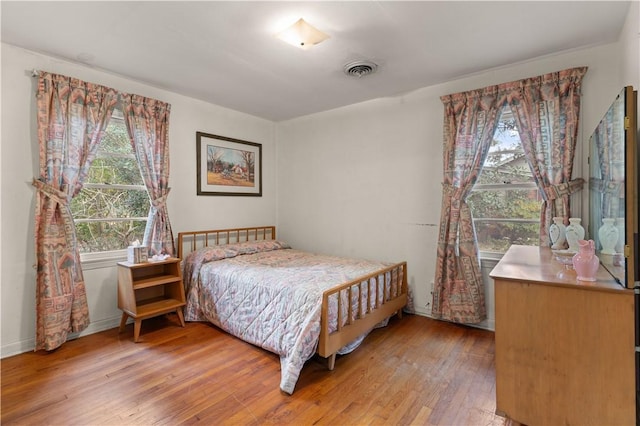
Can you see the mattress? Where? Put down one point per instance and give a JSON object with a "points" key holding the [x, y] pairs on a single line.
{"points": [[270, 295]]}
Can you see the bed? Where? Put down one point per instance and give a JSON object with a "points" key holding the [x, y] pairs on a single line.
{"points": [[287, 301]]}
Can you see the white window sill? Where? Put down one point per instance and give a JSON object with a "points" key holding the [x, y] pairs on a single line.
{"points": [[490, 255], [105, 259], [489, 259]]}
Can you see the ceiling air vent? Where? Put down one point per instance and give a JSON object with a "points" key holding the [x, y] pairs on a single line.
{"points": [[360, 68]]}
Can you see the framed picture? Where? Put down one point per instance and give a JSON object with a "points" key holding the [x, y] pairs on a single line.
{"points": [[227, 166]]}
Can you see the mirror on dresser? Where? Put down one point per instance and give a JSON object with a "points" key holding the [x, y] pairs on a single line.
{"points": [[613, 188]]}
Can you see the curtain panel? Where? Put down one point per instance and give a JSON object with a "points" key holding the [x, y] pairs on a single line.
{"points": [[547, 111], [147, 122], [72, 116], [611, 156], [470, 120]]}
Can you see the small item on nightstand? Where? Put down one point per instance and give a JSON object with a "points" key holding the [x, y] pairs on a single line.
{"points": [[585, 262], [137, 253], [158, 257]]}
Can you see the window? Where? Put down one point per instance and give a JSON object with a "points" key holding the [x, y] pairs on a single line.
{"points": [[111, 210], [505, 202]]}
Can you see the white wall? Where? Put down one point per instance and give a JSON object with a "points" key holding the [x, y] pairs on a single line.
{"points": [[630, 45], [630, 42], [365, 180], [186, 210]]}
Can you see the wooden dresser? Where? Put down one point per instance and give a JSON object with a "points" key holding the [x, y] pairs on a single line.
{"points": [[565, 352]]}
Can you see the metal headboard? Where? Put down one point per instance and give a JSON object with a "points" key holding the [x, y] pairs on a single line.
{"points": [[189, 241]]}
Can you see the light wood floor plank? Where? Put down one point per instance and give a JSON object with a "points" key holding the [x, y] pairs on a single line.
{"points": [[415, 371]]}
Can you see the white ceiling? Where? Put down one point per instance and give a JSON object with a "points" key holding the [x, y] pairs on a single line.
{"points": [[225, 52]]}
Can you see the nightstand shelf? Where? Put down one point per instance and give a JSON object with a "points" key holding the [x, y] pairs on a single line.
{"points": [[149, 289], [154, 281]]}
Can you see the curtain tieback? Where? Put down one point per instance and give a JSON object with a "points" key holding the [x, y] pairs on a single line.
{"points": [[55, 194], [452, 191], [563, 189], [60, 197], [606, 186], [160, 202]]}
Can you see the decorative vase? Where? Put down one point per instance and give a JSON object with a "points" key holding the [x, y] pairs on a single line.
{"points": [[585, 262], [574, 232], [556, 234], [608, 234], [621, 236]]}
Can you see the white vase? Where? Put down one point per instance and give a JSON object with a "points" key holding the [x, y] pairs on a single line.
{"points": [[621, 236], [557, 234], [608, 234], [574, 232]]}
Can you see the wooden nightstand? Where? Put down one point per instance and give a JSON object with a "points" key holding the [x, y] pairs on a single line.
{"points": [[149, 289]]}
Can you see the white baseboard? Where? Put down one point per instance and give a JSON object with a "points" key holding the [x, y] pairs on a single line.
{"points": [[423, 312], [488, 324], [106, 324], [29, 345]]}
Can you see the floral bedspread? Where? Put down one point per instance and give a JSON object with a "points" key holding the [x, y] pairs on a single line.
{"points": [[269, 295]]}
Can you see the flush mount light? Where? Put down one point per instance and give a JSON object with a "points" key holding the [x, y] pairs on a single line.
{"points": [[302, 35]]}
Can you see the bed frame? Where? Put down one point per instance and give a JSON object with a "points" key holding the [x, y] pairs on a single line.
{"points": [[366, 318]]}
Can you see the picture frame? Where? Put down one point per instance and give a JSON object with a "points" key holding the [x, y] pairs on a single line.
{"points": [[228, 166]]}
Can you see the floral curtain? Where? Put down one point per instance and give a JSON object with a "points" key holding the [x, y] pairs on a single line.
{"points": [[147, 122], [470, 121], [72, 116], [611, 161], [547, 112]]}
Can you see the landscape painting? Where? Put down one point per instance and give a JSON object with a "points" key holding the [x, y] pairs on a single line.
{"points": [[227, 166]]}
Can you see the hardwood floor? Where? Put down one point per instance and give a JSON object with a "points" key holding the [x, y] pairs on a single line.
{"points": [[414, 371]]}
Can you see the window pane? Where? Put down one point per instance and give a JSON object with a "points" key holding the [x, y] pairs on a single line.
{"points": [[506, 162], [116, 139], [109, 218], [107, 236], [505, 167], [96, 203], [505, 200], [510, 204], [498, 236], [115, 170]]}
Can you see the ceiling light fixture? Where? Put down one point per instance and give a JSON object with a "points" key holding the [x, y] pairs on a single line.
{"points": [[302, 35]]}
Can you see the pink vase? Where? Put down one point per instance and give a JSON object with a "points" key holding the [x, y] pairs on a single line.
{"points": [[585, 262]]}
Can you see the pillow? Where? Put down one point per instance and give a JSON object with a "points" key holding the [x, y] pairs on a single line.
{"points": [[207, 254], [251, 247], [196, 259]]}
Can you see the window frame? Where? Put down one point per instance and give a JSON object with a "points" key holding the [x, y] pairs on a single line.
{"points": [[483, 254], [102, 259]]}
